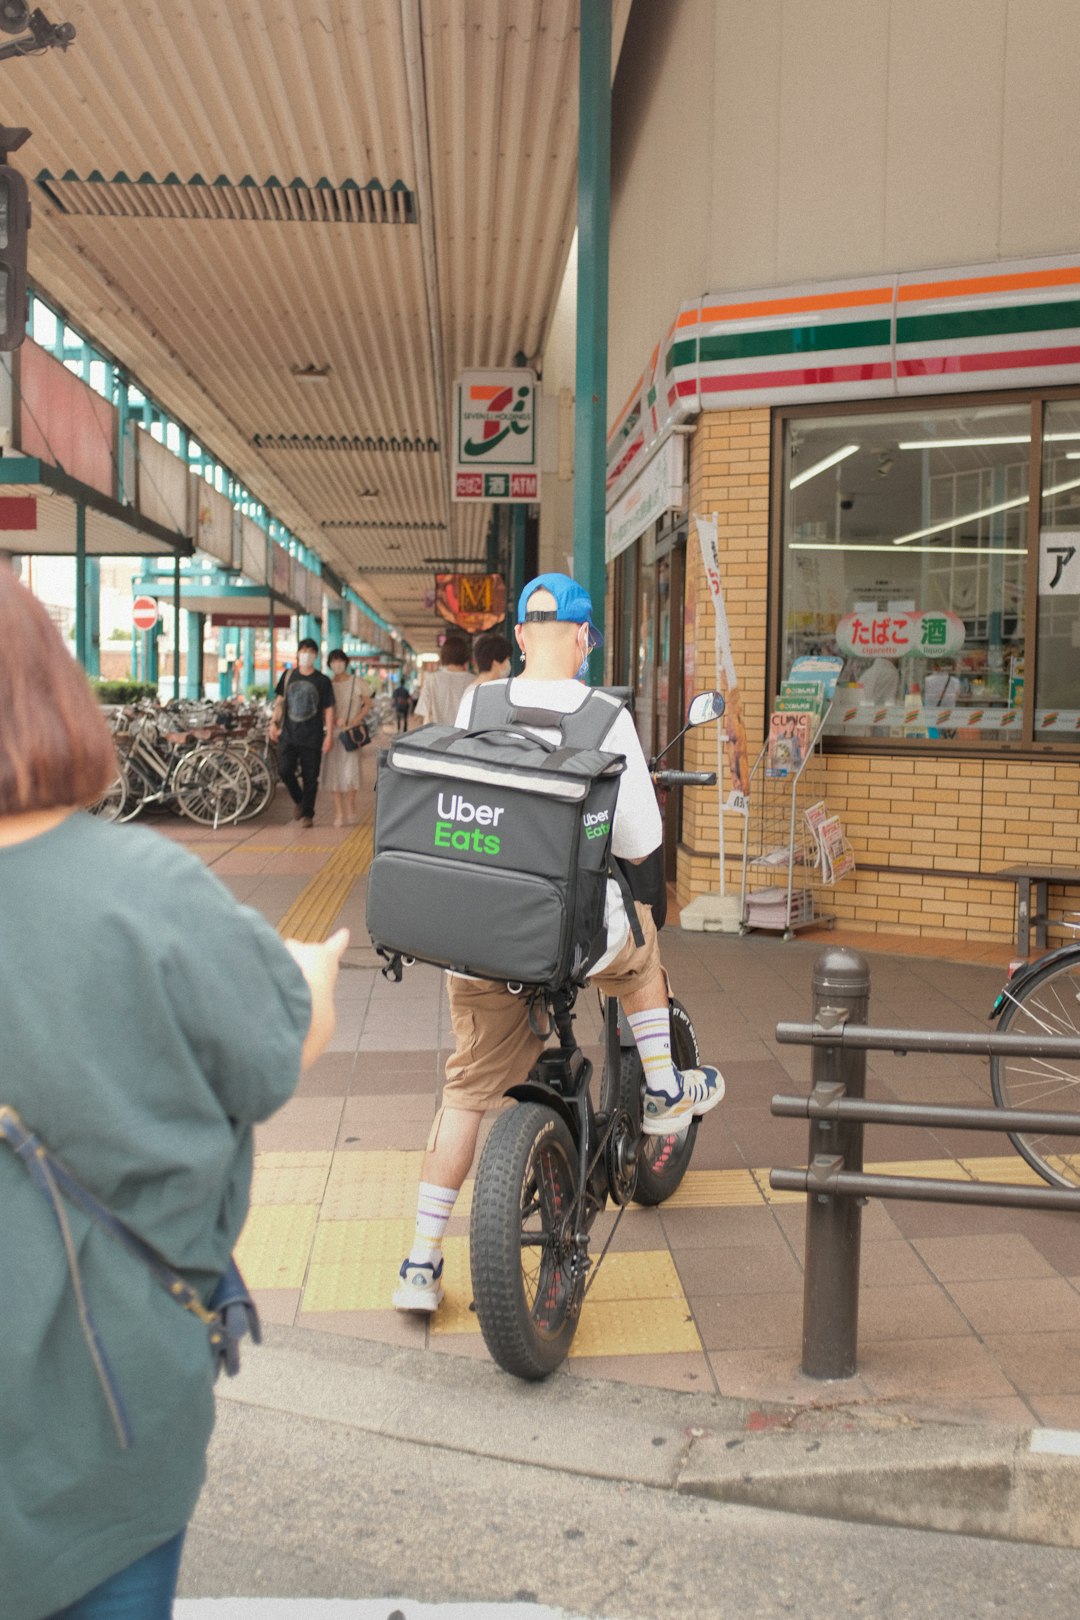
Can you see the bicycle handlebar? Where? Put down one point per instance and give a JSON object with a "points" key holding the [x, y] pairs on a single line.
{"points": [[668, 779]]}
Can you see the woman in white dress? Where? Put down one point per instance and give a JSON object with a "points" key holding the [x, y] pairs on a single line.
{"points": [[341, 767]]}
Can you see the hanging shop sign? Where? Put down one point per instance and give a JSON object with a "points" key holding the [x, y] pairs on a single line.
{"points": [[249, 621], [473, 602], [496, 437], [659, 488], [736, 752], [897, 635]]}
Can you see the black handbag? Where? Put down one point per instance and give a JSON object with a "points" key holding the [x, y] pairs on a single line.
{"points": [[354, 737]]}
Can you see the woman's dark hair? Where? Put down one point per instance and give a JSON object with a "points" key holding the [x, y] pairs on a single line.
{"points": [[337, 653], [490, 648], [455, 649], [55, 748]]}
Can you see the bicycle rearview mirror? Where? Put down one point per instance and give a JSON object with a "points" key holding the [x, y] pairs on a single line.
{"points": [[705, 707]]}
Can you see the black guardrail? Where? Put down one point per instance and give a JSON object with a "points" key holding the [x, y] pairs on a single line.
{"points": [[834, 1180]]}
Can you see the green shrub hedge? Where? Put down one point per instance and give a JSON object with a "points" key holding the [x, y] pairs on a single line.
{"points": [[123, 691]]}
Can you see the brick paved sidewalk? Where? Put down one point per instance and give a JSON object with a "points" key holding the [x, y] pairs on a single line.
{"points": [[965, 1313]]}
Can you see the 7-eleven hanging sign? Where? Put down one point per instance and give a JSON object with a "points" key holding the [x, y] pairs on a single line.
{"points": [[496, 437]]}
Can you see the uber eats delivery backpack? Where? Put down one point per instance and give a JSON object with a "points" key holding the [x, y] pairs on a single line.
{"points": [[492, 846]]}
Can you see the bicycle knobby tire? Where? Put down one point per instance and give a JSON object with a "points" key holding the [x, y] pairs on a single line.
{"points": [[523, 1275], [662, 1160]]}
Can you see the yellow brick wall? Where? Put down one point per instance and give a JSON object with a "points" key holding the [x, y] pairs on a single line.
{"points": [[943, 816]]}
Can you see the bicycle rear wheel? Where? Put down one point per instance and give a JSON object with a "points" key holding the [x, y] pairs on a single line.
{"points": [[212, 786], [1047, 1004], [527, 1282], [662, 1160]]}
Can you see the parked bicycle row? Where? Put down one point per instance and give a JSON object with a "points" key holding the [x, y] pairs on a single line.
{"points": [[225, 775]]}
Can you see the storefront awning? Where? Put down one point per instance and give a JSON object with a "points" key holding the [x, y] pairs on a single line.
{"points": [[39, 516]]}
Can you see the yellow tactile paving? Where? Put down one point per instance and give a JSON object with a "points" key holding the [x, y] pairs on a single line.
{"points": [[309, 1159], [289, 1184], [1011, 1168], [372, 1185], [642, 1274], [628, 1327], [313, 912], [712, 1189], [275, 1244], [931, 1169]]}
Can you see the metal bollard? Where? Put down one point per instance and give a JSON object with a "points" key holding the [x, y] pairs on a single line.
{"points": [[841, 989]]}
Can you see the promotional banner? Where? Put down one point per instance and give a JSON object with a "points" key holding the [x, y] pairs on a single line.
{"points": [[737, 754]]}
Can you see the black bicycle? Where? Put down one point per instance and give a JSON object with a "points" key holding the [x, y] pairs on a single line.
{"points": [[1042, 998], [551, 1164]]}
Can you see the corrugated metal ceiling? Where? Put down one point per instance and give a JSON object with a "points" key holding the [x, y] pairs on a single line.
{"points": [[470, 104]]}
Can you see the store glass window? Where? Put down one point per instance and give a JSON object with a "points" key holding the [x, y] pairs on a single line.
{"points": [[905, 537], [1057, 679]]}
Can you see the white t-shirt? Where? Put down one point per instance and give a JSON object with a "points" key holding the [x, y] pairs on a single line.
{"points": [[441, 694], [637, 829]]}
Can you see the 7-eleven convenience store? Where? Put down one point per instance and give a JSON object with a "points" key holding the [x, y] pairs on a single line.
{"points": [[891, 428]]}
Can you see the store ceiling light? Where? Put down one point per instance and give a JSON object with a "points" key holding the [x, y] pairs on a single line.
{"points": [[984, 511], [934, 551], [963, 444], [822, 466], [975, 444]]}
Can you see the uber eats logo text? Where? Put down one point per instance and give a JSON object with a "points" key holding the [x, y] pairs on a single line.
{"points": [[447, 836], [596, 823]]}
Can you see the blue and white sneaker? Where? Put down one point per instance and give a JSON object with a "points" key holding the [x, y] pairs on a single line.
{"points": [[420, 1288], [701, 1090]]}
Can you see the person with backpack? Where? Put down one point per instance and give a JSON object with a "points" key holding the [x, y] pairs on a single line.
{"points": [[494, 1043]]}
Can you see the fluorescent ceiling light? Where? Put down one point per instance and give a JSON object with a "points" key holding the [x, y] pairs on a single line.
{"points": [[984, 511], [971, 444], [933, 551], [821, 466], [961, 444]]}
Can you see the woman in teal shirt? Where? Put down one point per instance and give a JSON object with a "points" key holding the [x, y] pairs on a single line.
{"points": [[148, 1021]]}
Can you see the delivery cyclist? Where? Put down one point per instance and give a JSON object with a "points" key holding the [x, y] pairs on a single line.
{"points": [[495, 1045]]}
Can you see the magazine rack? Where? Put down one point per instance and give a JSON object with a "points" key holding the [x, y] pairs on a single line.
{"points": [[781, 873]]}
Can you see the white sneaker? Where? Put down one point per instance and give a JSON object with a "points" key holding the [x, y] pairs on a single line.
{"points": [[420, 1288], [701, 1090]]}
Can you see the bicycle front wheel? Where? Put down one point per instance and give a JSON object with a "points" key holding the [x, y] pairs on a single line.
{"points": [[1047, 1004], [262, 784], [525, 1271]]}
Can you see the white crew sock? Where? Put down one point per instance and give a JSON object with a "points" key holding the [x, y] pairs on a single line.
{"points": [[652, 1032], [434, 1207]]}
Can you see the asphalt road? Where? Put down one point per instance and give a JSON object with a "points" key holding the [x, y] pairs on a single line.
{"points": [[309, 1511]]}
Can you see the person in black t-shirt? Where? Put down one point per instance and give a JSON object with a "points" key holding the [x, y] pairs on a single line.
{"points": [[306, 729]]}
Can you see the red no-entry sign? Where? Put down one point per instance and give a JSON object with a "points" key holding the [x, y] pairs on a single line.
{"points": [[144, 612]]}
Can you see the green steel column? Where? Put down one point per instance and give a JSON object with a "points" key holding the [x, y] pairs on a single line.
{"points": [[247, 645], [150, 654], [82, 636], [335, 628], [518, 515], [196, 625], [594, 209], [310, 626], [93, 615], [273, 674], [175, 628]]}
